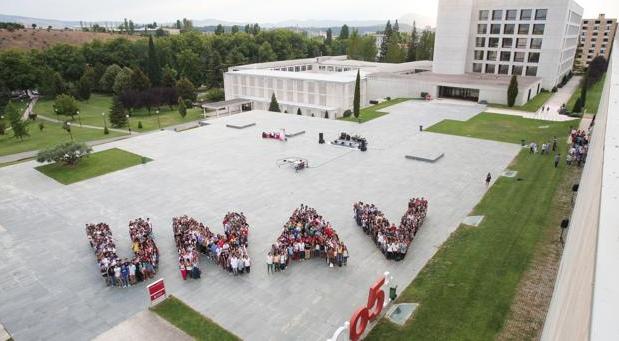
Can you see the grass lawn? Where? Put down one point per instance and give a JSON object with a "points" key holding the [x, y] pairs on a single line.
{"points": [[372, 112], [466, 290], [531, 106], [506, 128], [96, 164], [190, 321], [594, 94], [91, 110], [51, 135]]}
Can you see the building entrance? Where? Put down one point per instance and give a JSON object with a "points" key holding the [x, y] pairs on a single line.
{"points": [[458, 93]]}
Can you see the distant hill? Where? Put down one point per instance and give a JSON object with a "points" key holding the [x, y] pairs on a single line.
{"points": [[40, 38]]}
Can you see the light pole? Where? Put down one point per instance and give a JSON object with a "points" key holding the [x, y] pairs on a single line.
{"points": [[158, 122], [57, 118], [68, 127], [128, 123], [79, 118], [104, 122]]}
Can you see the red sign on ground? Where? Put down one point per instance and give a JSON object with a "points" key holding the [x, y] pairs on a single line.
{"points": [[156, 290]]}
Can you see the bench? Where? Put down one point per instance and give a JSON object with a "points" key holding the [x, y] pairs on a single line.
{"points": [[429, 157], [240, 126]]}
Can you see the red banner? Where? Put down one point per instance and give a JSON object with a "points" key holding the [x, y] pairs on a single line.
{"points": [[156, 290]]}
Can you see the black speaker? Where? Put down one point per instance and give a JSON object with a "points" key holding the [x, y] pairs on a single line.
{"points": [[363, 146], [321, 139]]}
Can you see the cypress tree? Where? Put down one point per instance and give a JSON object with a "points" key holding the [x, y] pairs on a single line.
{"points": [[274, 106], [299, 111], [329, 39], [182, 108], [356, 105], [412, 46], [512, 91], [384, 46], [153, 68]]}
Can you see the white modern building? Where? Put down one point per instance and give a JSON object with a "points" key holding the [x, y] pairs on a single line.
{"points": [[536, 38], [312, 85]]}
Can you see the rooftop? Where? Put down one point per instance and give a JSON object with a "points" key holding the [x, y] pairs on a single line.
{"points": [[338, 77]]}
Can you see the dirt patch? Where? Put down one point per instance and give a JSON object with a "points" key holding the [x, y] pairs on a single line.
{"points": [[27, 39]]}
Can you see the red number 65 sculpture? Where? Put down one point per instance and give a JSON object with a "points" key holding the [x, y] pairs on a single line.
{"points": [[363, 315]]}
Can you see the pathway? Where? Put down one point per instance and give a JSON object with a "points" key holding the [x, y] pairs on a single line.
{"points": [[562, 96], [144, 326], [49, 119]]}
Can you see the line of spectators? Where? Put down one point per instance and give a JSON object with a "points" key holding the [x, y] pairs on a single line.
{"points": [[306, 235], [579, 147], [125, 272], [392, 240], [229, 250]]}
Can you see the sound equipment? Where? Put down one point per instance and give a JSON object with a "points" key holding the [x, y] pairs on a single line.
{"points": [[321, 138]]}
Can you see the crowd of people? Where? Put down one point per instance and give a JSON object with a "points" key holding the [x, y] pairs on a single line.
{"points": [[228, 250], [125, 272], [392, 240], [306, 235], [579, 146]]}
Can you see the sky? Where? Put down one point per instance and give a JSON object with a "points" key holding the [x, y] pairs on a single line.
{"points": [[264, 11]]}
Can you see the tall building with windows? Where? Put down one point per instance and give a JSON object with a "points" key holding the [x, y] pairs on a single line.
{"points": [[507, 37], [596, 39]]}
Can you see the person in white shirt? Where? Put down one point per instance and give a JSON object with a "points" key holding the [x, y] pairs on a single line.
{"points": [[270, 263], [234, 265], [247, 263]]}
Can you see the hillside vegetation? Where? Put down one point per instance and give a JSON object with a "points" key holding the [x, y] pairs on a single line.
{"points": [[41, 38]]}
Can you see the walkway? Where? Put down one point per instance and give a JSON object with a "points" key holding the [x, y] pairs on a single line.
{"points": [[546, 116], [144, 326], [49, 119]]}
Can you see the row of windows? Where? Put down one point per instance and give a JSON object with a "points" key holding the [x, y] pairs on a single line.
{"points": [[595, 28], [597, 21], [521, 43], [504, 69], [298, 68], [512, 14], [506, 56], [333, 68], [538, 29]]}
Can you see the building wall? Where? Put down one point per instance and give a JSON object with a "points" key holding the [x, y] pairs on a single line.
{"points": [[596, 39], [459, 38], [313, 97], [452, 36]]}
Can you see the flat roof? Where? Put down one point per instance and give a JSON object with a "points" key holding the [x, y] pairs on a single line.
{"points": [[464, 79], [223, 104], [337, 77]]}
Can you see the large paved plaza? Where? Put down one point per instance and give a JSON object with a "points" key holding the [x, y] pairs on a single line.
{"points": [[50, 287]]}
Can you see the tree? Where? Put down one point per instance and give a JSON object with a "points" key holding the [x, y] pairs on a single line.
{"points": [[425, 47], [68, 154], [344, 32], [168, 79], [299, 111], [118, 114], [215, 95], [396, 27], [109, 76], [139, 80], [190, 65], [219, 29], [214, 76], [19, 126], [182, 108], [235, 29], [122, 81], [66, 105], [411, 54], [384, 46], [274, 106], [356, 103], [266, 53], [326, 114], [395, 54], [52, 83], [152, 65], [329, 38], [186, 89], [596, 70], [84, 88], [512, 91]]}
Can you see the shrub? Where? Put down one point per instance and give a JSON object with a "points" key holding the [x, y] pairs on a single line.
{"points": [[388, 98], [424, 94], [554, 89], [215, 95], [106, 131], [41, 126], [326, 114], [543, 90], [347, 113], [69, 154], [140, 125]]}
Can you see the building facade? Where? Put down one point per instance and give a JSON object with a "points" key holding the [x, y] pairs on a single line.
{"points": [[507, 37], [596, 39]]}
